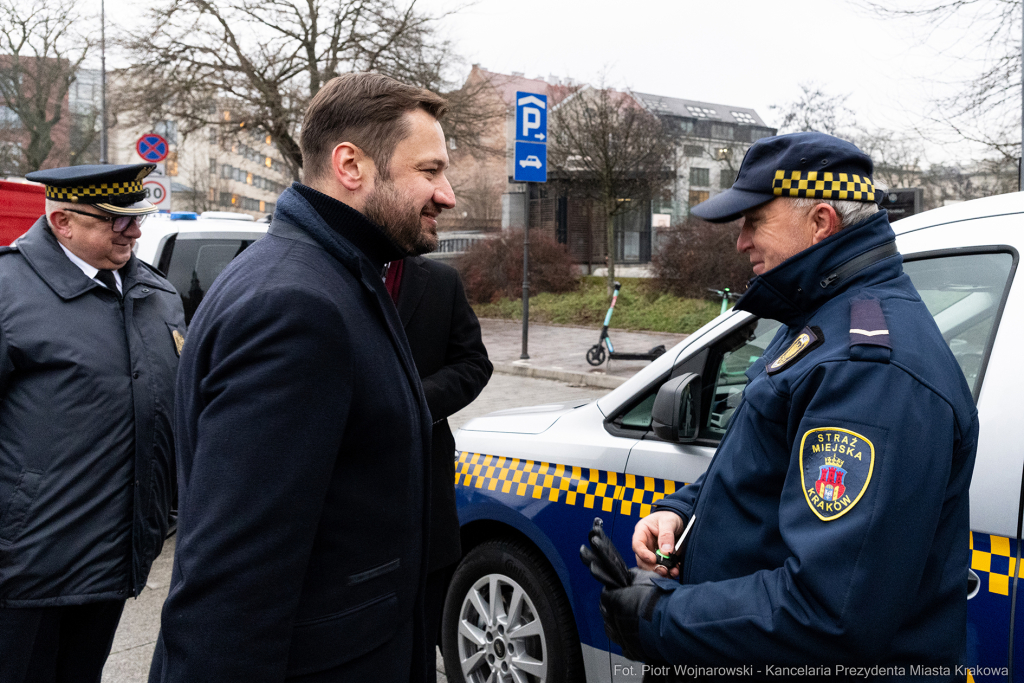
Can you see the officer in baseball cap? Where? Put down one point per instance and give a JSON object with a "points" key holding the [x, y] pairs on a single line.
{"points": [[806, 503]]}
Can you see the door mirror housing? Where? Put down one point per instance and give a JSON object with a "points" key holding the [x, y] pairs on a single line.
{"points": [[676, 413]]}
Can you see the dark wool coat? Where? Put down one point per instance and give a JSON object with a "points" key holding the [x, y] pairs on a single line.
{"points": [[444, 336], [86, 451], [303, 444]]}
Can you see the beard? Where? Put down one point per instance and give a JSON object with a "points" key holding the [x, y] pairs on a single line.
{"points": [[401, 221]]}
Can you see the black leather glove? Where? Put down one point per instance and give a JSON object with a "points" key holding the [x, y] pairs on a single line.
{"points": [[628, 594]]}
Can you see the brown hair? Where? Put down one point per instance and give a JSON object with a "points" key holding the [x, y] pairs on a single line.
{"points": [[366, 110]]}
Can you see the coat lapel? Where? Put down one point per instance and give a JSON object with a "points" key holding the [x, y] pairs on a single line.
{"points": [[414, 283]]}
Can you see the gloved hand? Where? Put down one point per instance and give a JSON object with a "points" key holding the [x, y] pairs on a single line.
{"points": [[628, 594]]}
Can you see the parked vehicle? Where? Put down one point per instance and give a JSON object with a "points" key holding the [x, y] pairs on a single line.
{"points": [[21, 204], [192, 249], [530, 481]]}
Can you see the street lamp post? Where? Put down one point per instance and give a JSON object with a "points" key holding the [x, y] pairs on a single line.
{"points": [[103, 83]]}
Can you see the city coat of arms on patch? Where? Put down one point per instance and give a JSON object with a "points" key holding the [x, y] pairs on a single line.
{"points": [[836, 466]]}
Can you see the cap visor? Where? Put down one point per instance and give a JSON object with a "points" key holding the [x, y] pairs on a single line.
{"points": [[729, 205], [136, 209]]}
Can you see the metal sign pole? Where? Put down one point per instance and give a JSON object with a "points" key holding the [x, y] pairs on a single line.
{"points": [[103, 83], [526, 276], [1020, 167]]}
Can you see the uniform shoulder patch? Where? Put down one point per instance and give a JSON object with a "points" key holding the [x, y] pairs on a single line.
{"points": [[809, 338], [835, 467]]}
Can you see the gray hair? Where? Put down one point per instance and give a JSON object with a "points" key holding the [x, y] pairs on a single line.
{"points": [[849, 212]]}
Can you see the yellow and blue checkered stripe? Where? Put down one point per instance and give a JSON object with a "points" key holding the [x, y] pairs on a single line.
{"points": [[98, 190], [626, 494], [822, 185], [993, 560]]}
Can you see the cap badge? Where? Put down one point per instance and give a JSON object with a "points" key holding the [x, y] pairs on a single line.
{"points": [[179, 341]]}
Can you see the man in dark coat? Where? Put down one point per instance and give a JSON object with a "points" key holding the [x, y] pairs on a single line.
{"points": [[89, 342], [444, 336], [303, 435]]}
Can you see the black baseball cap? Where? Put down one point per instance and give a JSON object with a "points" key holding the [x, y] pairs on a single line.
{"points": [[116, 189], [813, 165]]}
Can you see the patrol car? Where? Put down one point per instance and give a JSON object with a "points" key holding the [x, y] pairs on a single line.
{"points": [[530, 481], [192, 249]]}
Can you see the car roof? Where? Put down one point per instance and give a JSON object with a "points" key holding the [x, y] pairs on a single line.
{"points": [[159, 227], [998, 205]]}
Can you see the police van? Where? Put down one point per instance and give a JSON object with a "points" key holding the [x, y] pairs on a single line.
{"points": [[529, 482]]}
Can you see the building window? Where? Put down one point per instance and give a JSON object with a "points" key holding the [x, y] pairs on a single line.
{"points": [[227, 115], [248, 178], [686, 126], [172, 163], [700, 176], [269, 140], [698, 196], [693, 150], [213, 166], [168, 130], [226, 172], [723, 131], [451, 144], [269, 163], [726, 178], [723, 153], [263, 206], [701, 112], [213, 195], [743, 117]]}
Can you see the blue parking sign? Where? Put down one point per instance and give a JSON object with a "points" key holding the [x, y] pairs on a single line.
{"points": [[530, 163], [531, 117]]}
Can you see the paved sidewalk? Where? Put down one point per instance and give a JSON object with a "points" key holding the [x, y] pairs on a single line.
{"points": [[559, 351]]}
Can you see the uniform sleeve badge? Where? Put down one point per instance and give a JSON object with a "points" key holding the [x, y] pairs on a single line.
{"points": [[835, 468], [808, 339], [179, 341]]}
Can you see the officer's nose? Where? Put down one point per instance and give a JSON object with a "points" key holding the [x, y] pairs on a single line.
{"points": [[744, 243]]}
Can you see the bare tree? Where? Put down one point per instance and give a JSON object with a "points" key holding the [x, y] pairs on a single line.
{"points": [[986, 107], [40, 53], [898, 157], [815, 110], [263, 60], [606, 147]]}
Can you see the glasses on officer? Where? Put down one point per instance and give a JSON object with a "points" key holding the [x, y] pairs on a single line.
{"points": [[116, 223]]}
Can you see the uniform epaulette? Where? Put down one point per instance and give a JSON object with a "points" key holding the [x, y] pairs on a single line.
{"points": [[869, 331]]}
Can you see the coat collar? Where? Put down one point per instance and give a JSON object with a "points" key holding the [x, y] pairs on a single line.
{"points": [[42, 251], [414, 282], [797, 287]]}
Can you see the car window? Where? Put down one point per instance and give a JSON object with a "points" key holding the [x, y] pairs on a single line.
{"points": [[193, 264], [730, 378], [964, 292]]}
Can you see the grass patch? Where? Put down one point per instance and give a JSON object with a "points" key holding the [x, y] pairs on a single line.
{"points": [[637, 309]]}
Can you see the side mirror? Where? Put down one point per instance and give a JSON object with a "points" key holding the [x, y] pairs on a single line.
{"points": [[676, 413]]}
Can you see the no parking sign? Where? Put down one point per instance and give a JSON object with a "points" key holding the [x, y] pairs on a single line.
{"points": [[158, 191], [152, 147]]}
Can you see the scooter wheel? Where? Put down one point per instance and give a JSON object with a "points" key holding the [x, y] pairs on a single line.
{"points": [[595, 355]]}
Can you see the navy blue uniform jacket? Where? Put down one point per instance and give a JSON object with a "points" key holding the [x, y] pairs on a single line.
{"points": [[832, 523], [304, 444]]}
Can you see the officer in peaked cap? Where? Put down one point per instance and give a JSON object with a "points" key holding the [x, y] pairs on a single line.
{"points": [[89, 344], [831, 526]]}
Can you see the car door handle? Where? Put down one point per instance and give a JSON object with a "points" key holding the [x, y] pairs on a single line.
{"points": [[973, 584]]}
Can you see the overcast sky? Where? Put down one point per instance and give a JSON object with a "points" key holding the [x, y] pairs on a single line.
{"points": [[749, 53]]}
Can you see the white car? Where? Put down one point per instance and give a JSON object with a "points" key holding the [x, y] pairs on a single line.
{"points": [[529, 482], [192, 250]]}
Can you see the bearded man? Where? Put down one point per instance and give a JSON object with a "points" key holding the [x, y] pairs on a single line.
{"points": [[304, 449]]}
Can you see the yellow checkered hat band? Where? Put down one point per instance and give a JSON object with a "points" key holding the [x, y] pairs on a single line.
{"points": [[99, 191], [822, 185]]}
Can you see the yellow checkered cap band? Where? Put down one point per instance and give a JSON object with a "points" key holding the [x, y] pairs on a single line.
{"points": [[99, 191], [626, 494], [823, 185]]}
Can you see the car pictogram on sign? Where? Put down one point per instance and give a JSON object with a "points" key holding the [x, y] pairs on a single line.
{"points": [[530, 161]]}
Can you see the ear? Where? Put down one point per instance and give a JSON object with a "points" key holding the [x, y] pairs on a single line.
{"points": [[60, 223], [826, 222], [352, 167]]}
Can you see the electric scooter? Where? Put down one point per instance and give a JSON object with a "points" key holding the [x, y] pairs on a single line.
{"points": [[596, 353]]}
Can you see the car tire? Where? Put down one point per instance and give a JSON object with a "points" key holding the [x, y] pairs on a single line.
{"points": [[530, 631]]}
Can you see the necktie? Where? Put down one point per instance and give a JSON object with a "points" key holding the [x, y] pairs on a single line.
{"points": [[107, 278]]}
